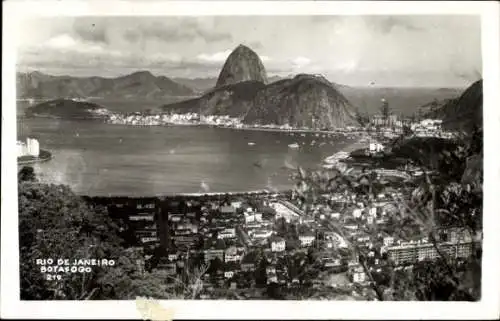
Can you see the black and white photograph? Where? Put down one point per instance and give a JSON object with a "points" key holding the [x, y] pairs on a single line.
{"points": [[249, 157]]}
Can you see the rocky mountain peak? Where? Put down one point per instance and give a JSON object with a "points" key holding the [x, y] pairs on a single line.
{"points": [[243, 64]]}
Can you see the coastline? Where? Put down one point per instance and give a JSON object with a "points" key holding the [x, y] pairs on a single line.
{"points": [[199, 194], [305, 131], [193, 119], [343, 132]]}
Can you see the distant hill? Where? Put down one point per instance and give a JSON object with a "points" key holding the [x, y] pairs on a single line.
{"points": [[404, 101], [202, 85], [461, 113], [233, 100], [64, 108], [304, 101], [467, 112], [244, 91], [464, 114], [243, 64], [429, 152], [142, 84], [437, 109], [290, 101]]}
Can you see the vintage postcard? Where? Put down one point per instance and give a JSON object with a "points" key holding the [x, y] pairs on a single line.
{"points": [[171, 160]]}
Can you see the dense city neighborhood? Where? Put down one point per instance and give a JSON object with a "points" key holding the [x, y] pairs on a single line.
{"points": [[272, 245]]}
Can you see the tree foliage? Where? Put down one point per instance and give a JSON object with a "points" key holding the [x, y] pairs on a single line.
{"points": [[437, 200], [26, 174], [55, 223]]}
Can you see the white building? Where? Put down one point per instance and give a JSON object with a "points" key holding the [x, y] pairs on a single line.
{"points": [[232, 254], [30, 148], [251, 217], [173, 256], [278, 245], [227, 233], [335, 215], [236, 204], [358, 275], [357, 213], [388, 240], [283, 211], [33, 147], [306, 240], [260, 234], [376, 147], [340, 242], [351, 226]]}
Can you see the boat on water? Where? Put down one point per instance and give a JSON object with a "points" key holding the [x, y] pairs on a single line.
{"points": [[294, 145], [257, 164], [251, 143]]}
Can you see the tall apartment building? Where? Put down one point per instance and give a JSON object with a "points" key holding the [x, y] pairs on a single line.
{"points": [[453, 242], [412, 253], [30, 148]]}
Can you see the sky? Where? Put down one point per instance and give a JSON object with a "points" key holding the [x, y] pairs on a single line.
{"points": [[437, 50]]}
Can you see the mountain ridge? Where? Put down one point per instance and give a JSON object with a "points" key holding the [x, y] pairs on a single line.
{"points": [[140, 84], [243, 91], [65, 108], [460, 113], [286, 101], [243, 64]]}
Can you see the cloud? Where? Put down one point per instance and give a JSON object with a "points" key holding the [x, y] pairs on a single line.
{"points": [[184, 30], [347, 66], [216, 57], [83, 59], [386, 48], [387, 24], [300, 62], [220, 57], [63, 41], [255, 45]]}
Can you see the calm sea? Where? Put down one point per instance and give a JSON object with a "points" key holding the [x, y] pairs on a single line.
{"points": [[102, 159]]}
